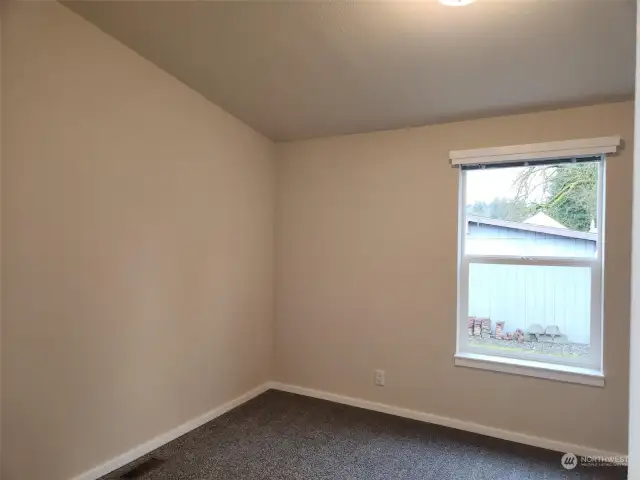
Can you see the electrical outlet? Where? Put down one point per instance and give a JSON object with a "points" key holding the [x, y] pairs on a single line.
{"points": [[378, 378]]}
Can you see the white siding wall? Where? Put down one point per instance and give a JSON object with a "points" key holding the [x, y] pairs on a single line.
{"points": [[524, 295]]}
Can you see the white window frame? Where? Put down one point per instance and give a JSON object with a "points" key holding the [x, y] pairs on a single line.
{"points": [[587, 370]]}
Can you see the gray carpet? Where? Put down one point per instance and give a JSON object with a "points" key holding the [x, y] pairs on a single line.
{"points": [[285, 437]]}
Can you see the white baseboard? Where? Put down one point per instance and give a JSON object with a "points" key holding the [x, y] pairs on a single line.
{"points": [[160, 440], [580, 450]]}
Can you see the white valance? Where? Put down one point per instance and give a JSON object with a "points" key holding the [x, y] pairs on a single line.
{"points": [[565, 149]]}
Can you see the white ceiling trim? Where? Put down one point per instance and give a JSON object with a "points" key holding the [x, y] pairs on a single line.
{"points": [[536, 151]]}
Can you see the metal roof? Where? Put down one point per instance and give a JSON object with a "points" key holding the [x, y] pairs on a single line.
{"points": [[560, 232]]}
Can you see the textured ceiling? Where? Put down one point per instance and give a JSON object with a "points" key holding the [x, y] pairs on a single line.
{"points": [[302, 69]]}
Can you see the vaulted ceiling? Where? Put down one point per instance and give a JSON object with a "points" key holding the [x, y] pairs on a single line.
{"points": [[300, 69]]}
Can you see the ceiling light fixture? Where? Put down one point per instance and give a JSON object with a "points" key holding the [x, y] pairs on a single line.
{"points": [[456, 3]]}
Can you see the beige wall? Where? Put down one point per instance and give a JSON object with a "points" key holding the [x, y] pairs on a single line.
{"points": [[634, 394], [366, 276], [137, 246], [0, 249]]}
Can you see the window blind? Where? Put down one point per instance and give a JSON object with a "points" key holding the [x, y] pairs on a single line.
{"points": [[530, 163], [566, 151]]}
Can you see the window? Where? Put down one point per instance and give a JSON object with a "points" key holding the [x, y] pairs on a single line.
{"points": [[531, 261]]}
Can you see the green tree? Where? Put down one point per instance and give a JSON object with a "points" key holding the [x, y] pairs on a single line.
{"points": [[513, 209], [569, 192]]}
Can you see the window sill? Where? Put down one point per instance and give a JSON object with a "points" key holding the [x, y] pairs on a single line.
{"points": [[528, 368]]}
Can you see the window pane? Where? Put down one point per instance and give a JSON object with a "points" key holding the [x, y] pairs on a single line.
{"points": [[548, 210], [527, 310]]}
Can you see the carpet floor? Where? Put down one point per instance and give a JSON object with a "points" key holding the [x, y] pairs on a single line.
{"points": [[283, 436]]}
